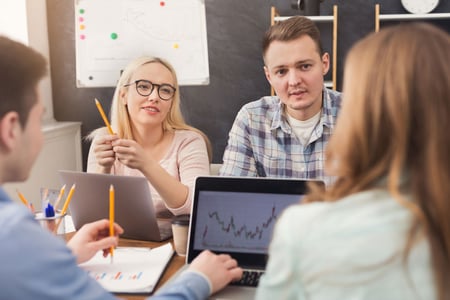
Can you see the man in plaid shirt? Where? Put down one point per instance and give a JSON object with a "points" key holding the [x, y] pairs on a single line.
{"points": [[286, 135]]}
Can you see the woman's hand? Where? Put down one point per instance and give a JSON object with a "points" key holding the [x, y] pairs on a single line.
{"points": [[93, 237], [130, 153], [104, 154]]}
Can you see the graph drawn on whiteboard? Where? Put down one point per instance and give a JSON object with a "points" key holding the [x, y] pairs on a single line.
{"points": [[111, 33], [238, 222]]}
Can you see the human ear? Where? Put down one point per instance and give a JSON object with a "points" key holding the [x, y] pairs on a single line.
{"points": [[123, 96], [266, 72], [325, 63], [9, 130]]}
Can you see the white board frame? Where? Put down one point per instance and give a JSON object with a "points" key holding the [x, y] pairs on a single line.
{"points": [[171, 29]]}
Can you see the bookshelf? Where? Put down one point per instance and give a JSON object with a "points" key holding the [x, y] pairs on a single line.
{"points": [[405, 17]]}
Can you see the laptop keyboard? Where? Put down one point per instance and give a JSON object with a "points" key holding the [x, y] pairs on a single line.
{"points": [[249, 278]]}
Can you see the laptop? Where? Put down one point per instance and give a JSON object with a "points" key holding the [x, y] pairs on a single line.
{"points": [[134, 209], [236, 215]]}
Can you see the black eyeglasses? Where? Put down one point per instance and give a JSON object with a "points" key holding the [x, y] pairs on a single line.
{"points": [[145, 88]]}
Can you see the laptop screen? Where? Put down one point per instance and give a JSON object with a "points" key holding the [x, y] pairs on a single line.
{"points": [[238, 222], [236, 215]]}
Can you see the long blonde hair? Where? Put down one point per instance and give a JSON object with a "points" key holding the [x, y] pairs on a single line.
{"points": [[395, 125], [120, 119]]}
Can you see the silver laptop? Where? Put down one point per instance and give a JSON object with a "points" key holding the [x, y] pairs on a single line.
{"points": [[236, 215], [134, 209]]}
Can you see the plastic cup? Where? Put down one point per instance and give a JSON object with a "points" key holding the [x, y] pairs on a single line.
{"points": [[50, 223], [180, 230]]}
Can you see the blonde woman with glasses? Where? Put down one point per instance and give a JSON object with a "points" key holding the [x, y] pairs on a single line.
{"points": [[151, 138]]}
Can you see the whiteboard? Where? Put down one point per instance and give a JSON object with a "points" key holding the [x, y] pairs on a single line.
{"points": [[111, 33]]}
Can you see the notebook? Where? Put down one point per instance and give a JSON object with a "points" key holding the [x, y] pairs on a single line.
{"points": [[136, 270], [236, 215], [134, 209]]}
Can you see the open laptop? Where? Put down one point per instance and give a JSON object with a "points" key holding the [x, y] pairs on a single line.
{"points": [[236, 215], [134, 209]]}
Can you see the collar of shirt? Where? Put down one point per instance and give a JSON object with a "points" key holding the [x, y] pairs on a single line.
{"points": [[330, 106]]}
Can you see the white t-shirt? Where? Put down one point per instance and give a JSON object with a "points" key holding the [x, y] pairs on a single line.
{"points": [[304, 129]]}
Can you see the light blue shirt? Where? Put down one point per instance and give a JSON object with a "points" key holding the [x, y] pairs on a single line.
{"points": [[36, 265], [261, 142], [349, 249]]}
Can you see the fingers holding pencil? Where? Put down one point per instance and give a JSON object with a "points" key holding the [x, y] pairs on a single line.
{"points": [[94, 237]]}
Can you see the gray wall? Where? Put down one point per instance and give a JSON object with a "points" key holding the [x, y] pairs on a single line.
{"points": [[235, 28]]}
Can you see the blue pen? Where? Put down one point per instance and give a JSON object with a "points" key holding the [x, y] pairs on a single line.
{"points": [[49, 211]]}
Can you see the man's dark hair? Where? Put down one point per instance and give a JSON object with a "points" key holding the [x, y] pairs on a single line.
{"points": [[21, 69], [292, 29]]}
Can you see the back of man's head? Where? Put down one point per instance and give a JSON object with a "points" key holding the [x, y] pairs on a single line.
{"points": [[21, 68], [292, 29]]}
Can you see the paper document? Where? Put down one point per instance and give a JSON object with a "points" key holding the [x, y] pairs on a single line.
{"points": [[135, 269]]}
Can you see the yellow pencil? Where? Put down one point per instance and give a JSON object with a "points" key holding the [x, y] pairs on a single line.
{"points": [[102, 113], [111, 217], [65, 206], [61, 193], [22, 197]]}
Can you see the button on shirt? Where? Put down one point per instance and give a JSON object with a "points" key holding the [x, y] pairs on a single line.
{"points": [[261, 142]]}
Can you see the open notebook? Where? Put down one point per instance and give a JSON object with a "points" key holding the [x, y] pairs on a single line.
{"points": [[135, 270]]}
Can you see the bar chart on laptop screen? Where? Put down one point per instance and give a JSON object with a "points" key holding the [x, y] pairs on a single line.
{"points": [[238, 222]]}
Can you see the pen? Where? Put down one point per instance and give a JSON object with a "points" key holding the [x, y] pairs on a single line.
{"points": [[49, 211], [102, 113], [31, 206], [111, 217], [44, 195], [65, 206], [22, 197], [61, 193]]}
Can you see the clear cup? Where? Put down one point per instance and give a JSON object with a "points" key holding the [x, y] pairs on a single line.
{"points": [[180, 230], [50, 223]]}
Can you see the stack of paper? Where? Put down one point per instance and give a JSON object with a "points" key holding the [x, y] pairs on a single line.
{"points": [[134, 270]]}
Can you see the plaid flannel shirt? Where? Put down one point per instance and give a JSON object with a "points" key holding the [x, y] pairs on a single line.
{"points": [[261, 142]]}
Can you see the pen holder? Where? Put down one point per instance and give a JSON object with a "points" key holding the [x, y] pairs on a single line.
{"points": [[50, 223]]}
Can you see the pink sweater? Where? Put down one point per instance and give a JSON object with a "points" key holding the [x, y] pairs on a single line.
{"points": [[186, 159]]}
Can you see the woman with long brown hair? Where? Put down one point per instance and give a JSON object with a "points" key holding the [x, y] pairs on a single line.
{"points": [[382, 230]]}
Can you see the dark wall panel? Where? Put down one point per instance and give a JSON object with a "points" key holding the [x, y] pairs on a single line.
{"points": [[235, 29]]}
